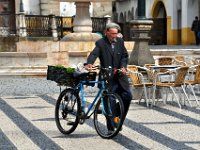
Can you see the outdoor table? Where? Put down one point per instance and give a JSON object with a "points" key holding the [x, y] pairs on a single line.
{"points": [[164, 67], [155, 71]]}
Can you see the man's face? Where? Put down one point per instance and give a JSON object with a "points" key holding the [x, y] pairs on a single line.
{"points": [[112, 34]]}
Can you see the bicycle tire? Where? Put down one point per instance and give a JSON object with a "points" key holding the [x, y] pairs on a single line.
{"points": [[67, 110], [103, 116]]}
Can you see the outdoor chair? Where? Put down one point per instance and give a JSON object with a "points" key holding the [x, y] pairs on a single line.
{"points": [[180, 60], [162, 61], [195, 61], [173, 85], [138, 81], [165, 61], [149, 71], [195, 81]]}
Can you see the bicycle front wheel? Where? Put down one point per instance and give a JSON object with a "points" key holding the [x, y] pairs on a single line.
{"points": [[109, 115], [67, 110]]}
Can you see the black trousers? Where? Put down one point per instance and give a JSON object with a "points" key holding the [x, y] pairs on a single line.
{"points": [[197, 38], [126, 96]]}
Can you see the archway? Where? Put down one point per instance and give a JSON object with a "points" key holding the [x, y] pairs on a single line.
{"points": [[159, 29]]}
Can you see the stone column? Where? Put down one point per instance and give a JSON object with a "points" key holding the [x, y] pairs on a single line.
{"points": [[21, 6], [141, 54], [82, 21], [22, 25], [141, 9], [53, 27], [140, 28], [82, 25], [108, 18]]}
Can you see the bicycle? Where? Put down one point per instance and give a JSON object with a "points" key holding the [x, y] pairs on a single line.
{"points": [[107, 107]]}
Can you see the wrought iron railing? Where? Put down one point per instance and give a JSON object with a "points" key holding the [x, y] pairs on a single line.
{"points": [[98, 24], [64, 25], [40, 25], [37, 25]]}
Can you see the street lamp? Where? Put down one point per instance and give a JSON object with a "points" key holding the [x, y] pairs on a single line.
{"points": [[21, 6], [141, 9]]}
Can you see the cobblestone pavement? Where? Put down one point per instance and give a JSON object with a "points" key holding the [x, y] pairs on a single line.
{"points": [[27, 122]]}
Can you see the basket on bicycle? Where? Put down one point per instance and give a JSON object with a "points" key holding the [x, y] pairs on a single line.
{"points": [[88, 76], [62, 75]]}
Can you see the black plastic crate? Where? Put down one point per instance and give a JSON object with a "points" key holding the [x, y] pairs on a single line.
{"points": [[61, 76]]}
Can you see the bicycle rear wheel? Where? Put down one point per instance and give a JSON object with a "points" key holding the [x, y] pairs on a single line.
{"points": [[109, 115], [67, 110]]}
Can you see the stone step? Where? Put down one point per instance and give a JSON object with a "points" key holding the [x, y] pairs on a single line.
{"points": [[19, 71], [35, 63], [22, 59]]}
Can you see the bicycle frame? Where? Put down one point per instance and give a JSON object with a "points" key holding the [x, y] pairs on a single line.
{"points": [[98, 95], [102, 88]]}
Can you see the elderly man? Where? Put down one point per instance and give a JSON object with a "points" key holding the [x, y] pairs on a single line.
{"points": [[111, 52]]}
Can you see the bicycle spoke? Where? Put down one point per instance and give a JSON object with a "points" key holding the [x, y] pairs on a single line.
{"points": [[108, 116], [66, 111]]}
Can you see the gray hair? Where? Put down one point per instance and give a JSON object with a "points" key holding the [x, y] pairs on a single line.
{"points": [[113, 25]]}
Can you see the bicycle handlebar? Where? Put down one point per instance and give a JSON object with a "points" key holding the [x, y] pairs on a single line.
{"points": [[115, 71]]}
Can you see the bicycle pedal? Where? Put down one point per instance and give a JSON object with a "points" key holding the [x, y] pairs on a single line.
{"points": [[116, 120]]}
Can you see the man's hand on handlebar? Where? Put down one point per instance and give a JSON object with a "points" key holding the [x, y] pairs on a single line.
{"points": [[123, 70], [89, 67]]}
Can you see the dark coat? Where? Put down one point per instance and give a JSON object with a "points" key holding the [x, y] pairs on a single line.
{"points": [[195, 26], [116, 59]]}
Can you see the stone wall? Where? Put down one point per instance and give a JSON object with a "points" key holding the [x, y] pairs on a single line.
{"points": [[102, 9], [61, 52], [8, 44], [50, 7]]}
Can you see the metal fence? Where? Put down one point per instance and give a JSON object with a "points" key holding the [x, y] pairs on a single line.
{"points": [[37, 26], [98, 24], [40, 25], [64, 25]]}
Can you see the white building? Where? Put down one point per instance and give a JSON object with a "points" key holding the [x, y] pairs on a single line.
{"points": [[174, 16], [56, 7]]}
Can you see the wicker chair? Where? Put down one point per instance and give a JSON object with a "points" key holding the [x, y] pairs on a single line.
{"points": [[196, 81], [149, 72], [180, 74], [180, 60], [162, 61], [165, 61], [138, 81]]}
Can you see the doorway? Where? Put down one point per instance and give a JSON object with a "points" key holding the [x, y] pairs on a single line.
{"points": [[158, 32]]}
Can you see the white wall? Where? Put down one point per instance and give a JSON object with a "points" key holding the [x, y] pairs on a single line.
{"points": [[184, 14], [149, 5], [193, 11], [69, 9], [31, 7]]}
